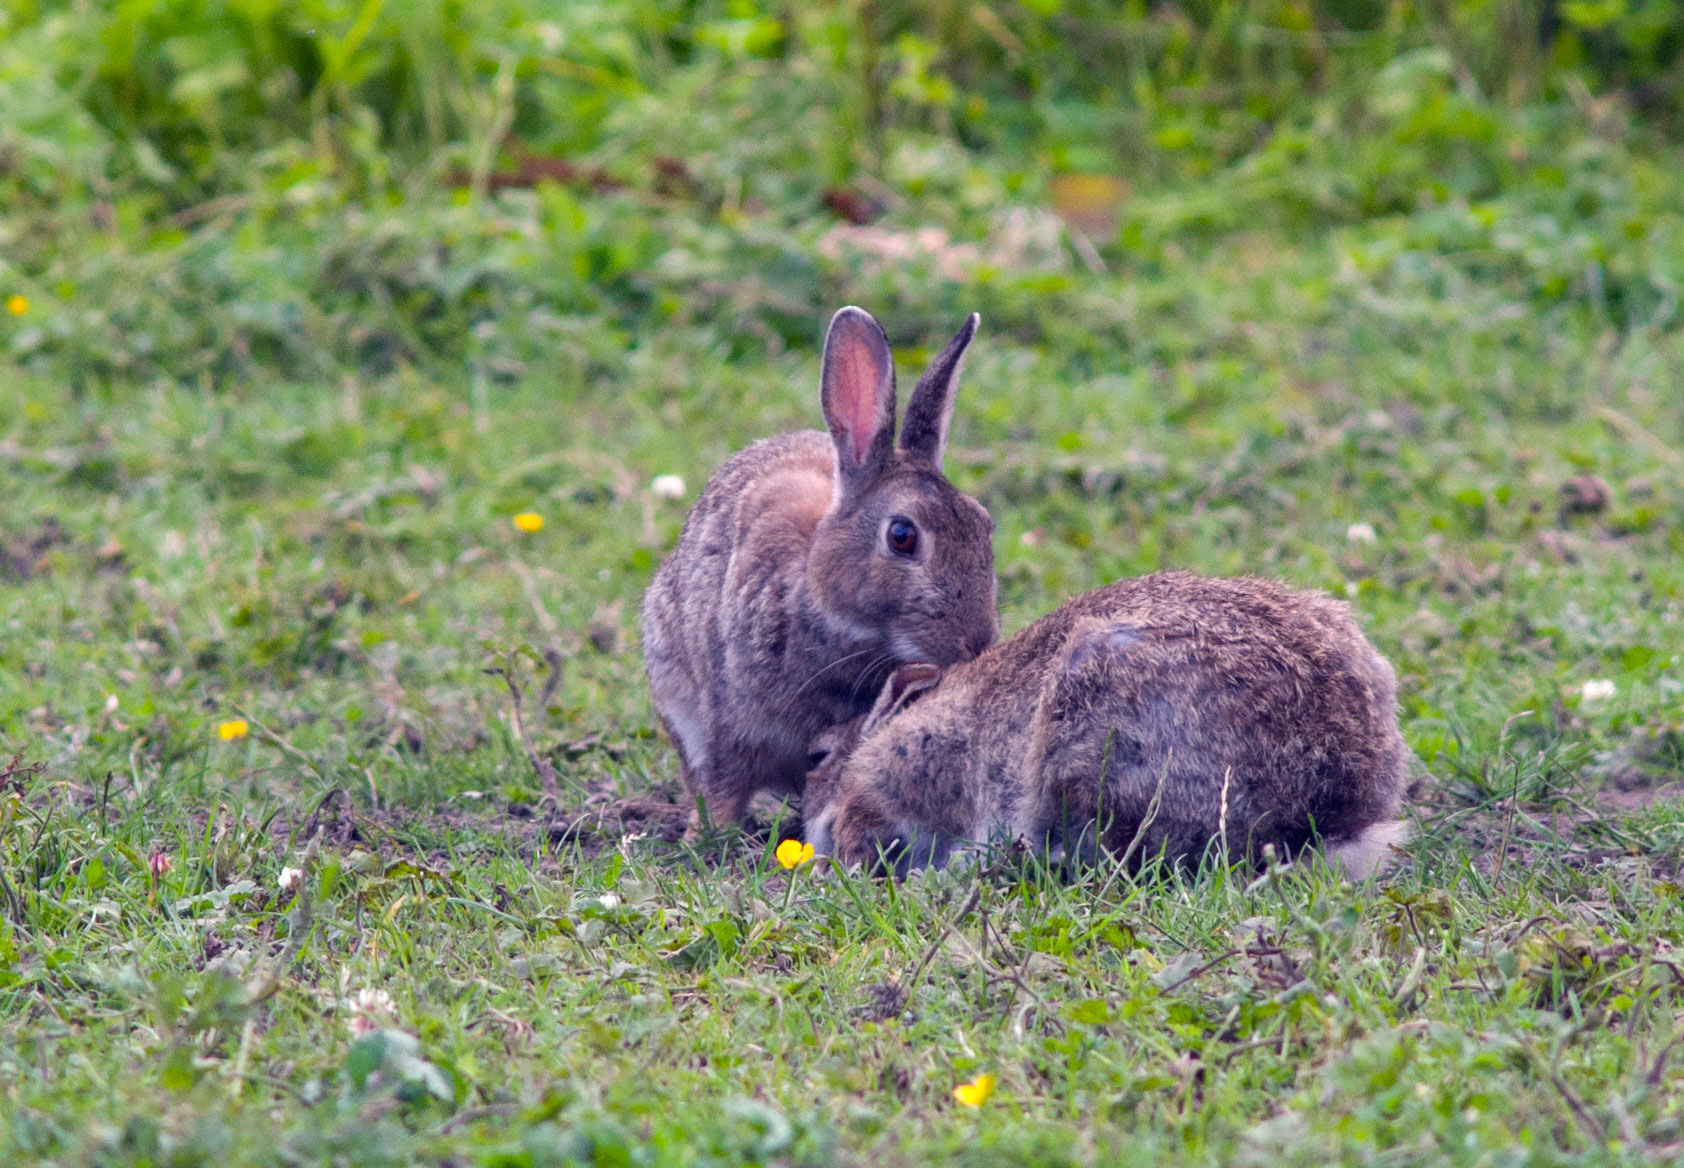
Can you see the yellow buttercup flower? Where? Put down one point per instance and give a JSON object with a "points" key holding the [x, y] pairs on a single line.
{"points": [[236, 728], [976, 1092], [529, 521], [793, 853], [17, 305]]}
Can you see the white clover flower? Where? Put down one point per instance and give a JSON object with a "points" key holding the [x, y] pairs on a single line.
{"points": [[110, 703], [1596, 690], [289, 878], [1361, 533], [667, 486], [371, 1010], [369, 1000]]}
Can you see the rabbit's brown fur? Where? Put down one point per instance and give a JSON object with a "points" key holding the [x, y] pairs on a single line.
{"points": [[1196, 682], [785, 605]]}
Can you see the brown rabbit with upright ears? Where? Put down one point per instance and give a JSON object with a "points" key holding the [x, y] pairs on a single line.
{"points": [[1173, 708], [812, 565]]}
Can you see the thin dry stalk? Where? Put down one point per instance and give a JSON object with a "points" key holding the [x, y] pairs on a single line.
{"points": [[285, 747], [553, 655], [1222, 815], [918, 970], [1151, 814], [299, 920], [1514, 799], [541, 766]]}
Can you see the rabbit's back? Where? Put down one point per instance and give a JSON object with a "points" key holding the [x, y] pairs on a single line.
{"points": [[1208, 684], [746, 535]]}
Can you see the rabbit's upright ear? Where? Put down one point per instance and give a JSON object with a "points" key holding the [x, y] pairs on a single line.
{"points": [[904, 686], [857, 390], [924, 430]]}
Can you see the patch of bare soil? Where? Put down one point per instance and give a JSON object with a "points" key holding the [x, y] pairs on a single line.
{"points": [[604, 824], [1628, 795], [601, 825], [1579, 829], [23, 555]]}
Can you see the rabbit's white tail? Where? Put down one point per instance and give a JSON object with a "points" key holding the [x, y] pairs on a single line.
{"points": [[1371, 851]]}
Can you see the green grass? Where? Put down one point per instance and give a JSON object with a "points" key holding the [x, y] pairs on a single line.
{"points": [[277, 394]]}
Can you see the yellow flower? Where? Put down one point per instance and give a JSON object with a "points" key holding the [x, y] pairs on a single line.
{"points": [[793, 853], [228, 731], [529, 521], [976, 1092], [17, 305]]}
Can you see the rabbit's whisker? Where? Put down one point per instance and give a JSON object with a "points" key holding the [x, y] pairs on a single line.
{"points": [[870, 669], [820, 672]]}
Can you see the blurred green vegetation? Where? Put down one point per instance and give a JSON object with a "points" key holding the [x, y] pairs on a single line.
{"points": [[301, 186]]}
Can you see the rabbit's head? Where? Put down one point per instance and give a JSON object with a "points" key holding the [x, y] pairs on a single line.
{"points": [[901, 550], [827, 796]]}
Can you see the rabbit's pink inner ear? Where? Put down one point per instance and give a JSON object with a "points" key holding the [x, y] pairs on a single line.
{"points": [[858, 389], [913, 678], [904, 684], [857, 404]]}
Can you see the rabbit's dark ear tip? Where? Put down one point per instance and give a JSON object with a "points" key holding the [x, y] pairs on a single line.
{"points": [[962, 339]]}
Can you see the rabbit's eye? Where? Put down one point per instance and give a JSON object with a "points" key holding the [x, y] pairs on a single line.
{"points": [[902, 536], [816, 759]]}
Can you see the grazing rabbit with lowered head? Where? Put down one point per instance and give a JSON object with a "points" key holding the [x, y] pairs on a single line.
{"points": [[811, 566], [1175, 708]]}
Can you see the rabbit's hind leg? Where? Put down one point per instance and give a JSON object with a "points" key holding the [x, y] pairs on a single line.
{"points": [[733, 771]]}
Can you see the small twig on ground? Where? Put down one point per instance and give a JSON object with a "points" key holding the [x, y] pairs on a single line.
{"points": [[1542, 919], [1597, 1131], [541, 766], [16, 773], [474, 1114], [299, 920], [918, 970], [284, 746], [552, 681], [553, 655], [1636, 431], [1658, 1071], [1005, 973], [211, 209], [1254, 1044], [1200, 971], [1410, 987], [308, 831], [1514, 797]]}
